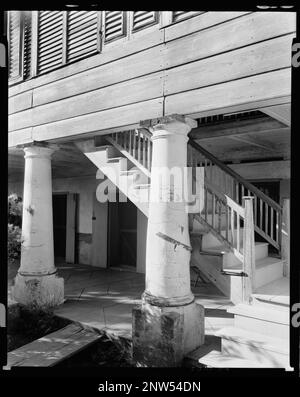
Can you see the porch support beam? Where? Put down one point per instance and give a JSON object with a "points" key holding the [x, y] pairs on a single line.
{"points": [[169, 323], [36, 283]]}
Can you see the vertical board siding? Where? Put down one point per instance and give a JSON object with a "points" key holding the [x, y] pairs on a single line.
{"points": [[82, 34], [142, 19], [114, 25], [50, 40]]}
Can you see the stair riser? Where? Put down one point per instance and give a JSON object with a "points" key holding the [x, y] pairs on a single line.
{"points": [[266, 328], [261, 252], [251, 352], [267, 274]]}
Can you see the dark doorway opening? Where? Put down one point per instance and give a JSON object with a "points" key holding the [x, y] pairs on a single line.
{"points": [[59, 202], [122, 234]]}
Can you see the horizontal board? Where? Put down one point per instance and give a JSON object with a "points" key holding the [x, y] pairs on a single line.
{"points": [[264, 170], [240, 32], [109, 53], [19, 102], [19, 137], [257, 58], [112, 118], [120, 70], [137, 90], [250, 89], [202, 21]]}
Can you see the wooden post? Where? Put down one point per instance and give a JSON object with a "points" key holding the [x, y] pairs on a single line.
{"points": [[249, 249], [285, 236]]}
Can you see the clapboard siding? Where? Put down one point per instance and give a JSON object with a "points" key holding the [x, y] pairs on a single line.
{"points": [[20, 102], [144, 62], [258, 58], [200, 22], [251, 89], [131, 91], [240, 32], [233, 53], [95, 122], [108, 54]]}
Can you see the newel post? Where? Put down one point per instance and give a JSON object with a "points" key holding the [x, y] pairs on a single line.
{"points": [[249, 249]]}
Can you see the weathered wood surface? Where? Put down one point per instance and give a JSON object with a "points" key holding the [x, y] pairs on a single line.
{"points": [[186, 67], [53, 348]]}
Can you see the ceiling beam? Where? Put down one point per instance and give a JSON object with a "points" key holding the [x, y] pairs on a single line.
{"points": [[281, 113]]}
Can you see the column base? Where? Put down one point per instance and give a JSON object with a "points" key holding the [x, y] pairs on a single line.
{"points": [[39, 291], [162, 336]]}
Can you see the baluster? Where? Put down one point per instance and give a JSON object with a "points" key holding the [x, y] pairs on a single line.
{"points": [[238, 231], [232, 226], [237, 192], [211, 171], [220, 216], [266, 218], [277, 227], [226, 222], [205, 168], [144, 151], [272, 223], [213, 210], [134, 144], [117, 137], [130, 142], [260, 213], [206, 204], [139, 146], [255, 209], [243, 191], [149, 153]]}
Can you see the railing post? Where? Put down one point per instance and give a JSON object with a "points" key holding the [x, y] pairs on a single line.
{"points": [[285, 236], [248, 249]]}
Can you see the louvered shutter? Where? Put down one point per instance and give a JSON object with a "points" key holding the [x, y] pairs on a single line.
{"points": [[179, 15], [82, 34], [114, 24], [142, 19], [15, 47], [27, 46], [50, 40]]}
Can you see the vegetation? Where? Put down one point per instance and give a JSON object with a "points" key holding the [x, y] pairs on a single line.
{"points": [[14, 227]]}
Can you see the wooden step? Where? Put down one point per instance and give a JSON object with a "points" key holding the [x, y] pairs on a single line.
{"points": [[216, 359], [254, 346], [53, 348], [276, 292], [267, 319]]}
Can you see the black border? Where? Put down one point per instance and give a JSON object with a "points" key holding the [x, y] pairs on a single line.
{"points": [[80, 379]]}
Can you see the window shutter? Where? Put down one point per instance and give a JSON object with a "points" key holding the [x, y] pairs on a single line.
{"points": [[50, 40], [142, 19], [114, 25], [27, 46], [180, 15], [82, 34], [15, 47]]}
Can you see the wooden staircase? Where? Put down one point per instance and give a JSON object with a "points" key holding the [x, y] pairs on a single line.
{"points": [[227, 253]]}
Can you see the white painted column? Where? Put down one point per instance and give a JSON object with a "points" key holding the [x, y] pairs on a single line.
{"points": [[167, 264], [169, 323], [36, 282]]}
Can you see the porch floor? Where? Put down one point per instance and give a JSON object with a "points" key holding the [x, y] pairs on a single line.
{"points": [[104, 298]]}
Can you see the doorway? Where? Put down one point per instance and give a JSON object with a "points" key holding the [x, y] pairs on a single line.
{"points": [[59, 202], [122, 234]]}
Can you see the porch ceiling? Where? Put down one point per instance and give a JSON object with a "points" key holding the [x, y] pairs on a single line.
{"points": [[240, 140], [67, 162]]}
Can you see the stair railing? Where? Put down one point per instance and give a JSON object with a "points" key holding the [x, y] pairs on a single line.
{"points": [[267, 213], [137, 146]]}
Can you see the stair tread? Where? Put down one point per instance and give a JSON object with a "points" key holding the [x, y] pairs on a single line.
{"points": [[262, 311], [277, 292], [259, 263], [114, 159], [254, 339], [218, 359]]}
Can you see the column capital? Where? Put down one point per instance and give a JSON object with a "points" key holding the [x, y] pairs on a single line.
{"points": [[38, 149], [175, 123]]}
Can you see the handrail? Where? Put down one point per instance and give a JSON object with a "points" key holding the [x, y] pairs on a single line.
{"points": [[236, 176]]}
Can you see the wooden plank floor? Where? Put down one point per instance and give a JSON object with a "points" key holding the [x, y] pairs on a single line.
{"points": [[53, 348]]}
